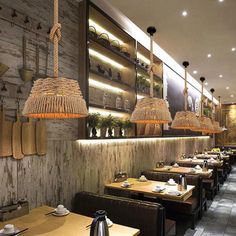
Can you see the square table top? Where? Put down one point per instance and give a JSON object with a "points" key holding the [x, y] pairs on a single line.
{"points": [[70, 225], [184, 170], [147, 187]]}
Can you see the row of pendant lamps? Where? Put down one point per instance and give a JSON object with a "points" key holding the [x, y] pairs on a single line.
{"points": [[60, 98]]}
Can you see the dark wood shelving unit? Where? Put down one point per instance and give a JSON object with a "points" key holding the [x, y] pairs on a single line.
{"points": [[94, 52]]}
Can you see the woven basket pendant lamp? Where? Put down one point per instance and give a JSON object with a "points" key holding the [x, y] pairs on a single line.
{"points": [[151, 110], [186, 120], [205, 122], [216, 125], [55, 98]]}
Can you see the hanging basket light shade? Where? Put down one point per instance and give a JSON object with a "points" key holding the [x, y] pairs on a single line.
{"points": [[205, 125], [55, 98], [216, 127], [185, 120], [151, 111]]}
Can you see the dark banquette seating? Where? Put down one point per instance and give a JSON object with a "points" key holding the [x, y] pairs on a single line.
{"points": [[191, 207], [149, 217]]}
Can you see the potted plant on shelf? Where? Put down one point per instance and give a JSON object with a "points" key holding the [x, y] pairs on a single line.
{"points": [[93, 121], [104, 124], [127, 125], [118, 127], [156, 88]]}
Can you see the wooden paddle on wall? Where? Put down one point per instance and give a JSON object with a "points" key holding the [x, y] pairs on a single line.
{"points": [[28, 138], [17, 139], [5, 135]]}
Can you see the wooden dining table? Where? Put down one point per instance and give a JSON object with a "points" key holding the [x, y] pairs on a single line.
{"points": [[146, 188], [70, 225], [214, 156], [185, 170], [197, 161]]}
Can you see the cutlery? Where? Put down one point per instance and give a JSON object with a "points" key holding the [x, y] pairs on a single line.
{"points": [[21, 231], [49, 213]]}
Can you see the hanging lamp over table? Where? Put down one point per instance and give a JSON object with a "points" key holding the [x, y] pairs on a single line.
{"points": [[185, 120], [55, 98], [151, 110], [205, 122], [216, 125]]}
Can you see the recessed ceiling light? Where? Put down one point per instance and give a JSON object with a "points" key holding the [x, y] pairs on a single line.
{"points": [[227, 87], [195, 72], [209, 55], [221, 76], [206, 83], [184, 13], [233, 49], [221, 0], [231, 95]]}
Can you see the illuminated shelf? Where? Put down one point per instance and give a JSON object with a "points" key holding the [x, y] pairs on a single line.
{"points": [[145, 71], [106, 79], [128, 59], [111, 109]]}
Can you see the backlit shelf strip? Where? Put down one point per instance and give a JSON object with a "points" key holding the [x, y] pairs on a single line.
{"points": [[96, 84], [105, 59], [100, 30], [139, 140], [143, 58], [105, 112]]}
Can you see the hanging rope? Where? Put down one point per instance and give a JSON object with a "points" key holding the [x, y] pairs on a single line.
{"points": [[185, 64], [55, 37]]}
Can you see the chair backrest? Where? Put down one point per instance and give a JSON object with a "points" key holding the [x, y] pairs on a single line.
{"points": [[146, 216]]}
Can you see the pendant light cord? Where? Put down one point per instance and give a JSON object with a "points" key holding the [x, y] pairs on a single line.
{"points": [[55, 36], [151, 66], [202, 79], [185, 64]]}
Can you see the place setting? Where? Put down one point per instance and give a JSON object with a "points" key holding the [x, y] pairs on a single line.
{"points": [[11, 230], [60, 211]]}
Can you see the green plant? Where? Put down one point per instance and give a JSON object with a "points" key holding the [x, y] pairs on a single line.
{"points": [[127, 124], [106, 122], [93, 119], [157, 87]]}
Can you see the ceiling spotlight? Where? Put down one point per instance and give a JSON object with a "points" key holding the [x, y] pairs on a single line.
{"points": [[233, 49], [227, 87], [184, 13], [209, 55], [195, 72], [231, 95], [221, 76], [221, 0], [206, 83]]}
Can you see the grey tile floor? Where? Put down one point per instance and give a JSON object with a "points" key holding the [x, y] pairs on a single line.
{"points": [[220, 219]]}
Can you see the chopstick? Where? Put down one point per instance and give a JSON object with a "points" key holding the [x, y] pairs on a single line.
{"points": [[21, 231], [49, 213], [88, 226]]}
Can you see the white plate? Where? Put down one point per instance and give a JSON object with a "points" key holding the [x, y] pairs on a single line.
{"points": [[159, 190], [142, 180], [2, 232], [174, 193], [67, 212], [125, 186], [171, 184]]}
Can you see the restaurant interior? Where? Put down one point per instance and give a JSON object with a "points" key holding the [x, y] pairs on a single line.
{"points": [[117, 118]]}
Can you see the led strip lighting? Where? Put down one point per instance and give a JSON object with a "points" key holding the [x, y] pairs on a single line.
{"points": [[100, 30], [104, 112], [100, 85], [143, 58], [136, 140], [105, 59]]}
